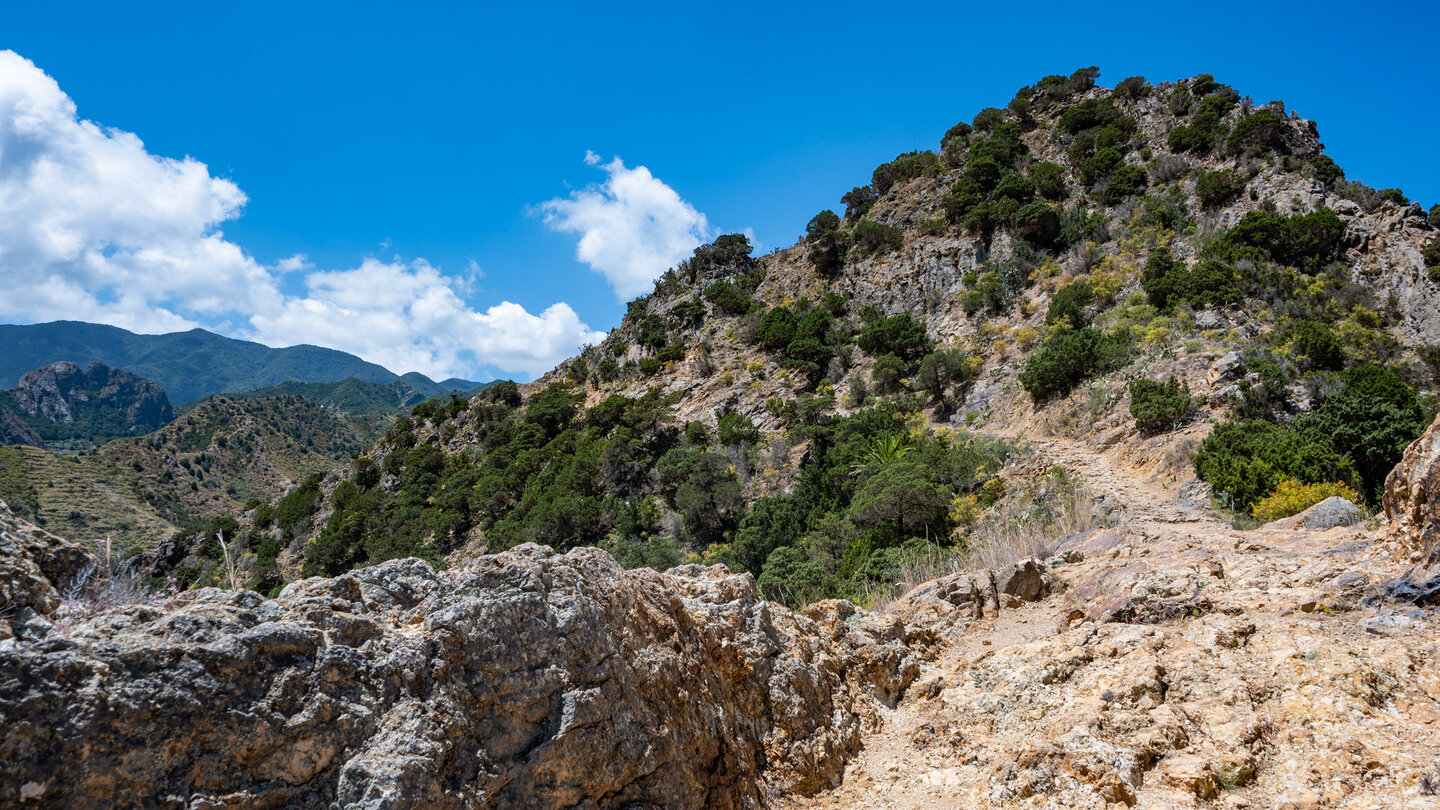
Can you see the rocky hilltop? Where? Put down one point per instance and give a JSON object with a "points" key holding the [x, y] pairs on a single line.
{"points": [[62, 401], [1055, 456]]}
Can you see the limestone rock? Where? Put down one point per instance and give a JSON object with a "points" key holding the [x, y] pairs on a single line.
{"points": [[525, 679], [1229, 367], [35, 566], [1412, 491]]}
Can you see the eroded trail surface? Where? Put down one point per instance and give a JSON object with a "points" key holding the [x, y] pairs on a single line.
{"points": [[1171, 661]]}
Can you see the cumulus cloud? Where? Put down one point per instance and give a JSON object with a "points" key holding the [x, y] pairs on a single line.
{"points": [[409, 316], [93, 227], [632, 227]]}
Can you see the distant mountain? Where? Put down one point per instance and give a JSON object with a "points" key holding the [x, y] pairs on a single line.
{"points": [[190, 365], [62, 402]]}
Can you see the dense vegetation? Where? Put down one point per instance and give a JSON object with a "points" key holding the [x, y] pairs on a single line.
{"points": [[1070, 210], [1354, 437], [624, 476]]}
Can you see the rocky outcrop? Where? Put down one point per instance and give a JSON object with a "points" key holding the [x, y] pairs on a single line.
{"points": [[1412, 492], [62, 393], [526, 679], [35, 567], [952, 601]]}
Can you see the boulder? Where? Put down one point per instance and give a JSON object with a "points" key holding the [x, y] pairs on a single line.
{"points": [[1026, 581], [1331, 512], [1230, 366]]}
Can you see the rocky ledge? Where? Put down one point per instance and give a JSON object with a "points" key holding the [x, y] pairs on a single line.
{"points": [[525, 679]]}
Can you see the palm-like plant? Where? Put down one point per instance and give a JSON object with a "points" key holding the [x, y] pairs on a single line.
{"points": [[882, 451]]}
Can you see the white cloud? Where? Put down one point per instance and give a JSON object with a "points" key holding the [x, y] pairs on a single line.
{"points": [[408, 316], [93, 227], [632, 227]]}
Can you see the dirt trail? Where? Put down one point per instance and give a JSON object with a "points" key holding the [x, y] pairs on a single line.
{"points": [[1256, 669]]}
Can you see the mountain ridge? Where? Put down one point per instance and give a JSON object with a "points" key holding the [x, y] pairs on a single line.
{"points": [[192, 364]]}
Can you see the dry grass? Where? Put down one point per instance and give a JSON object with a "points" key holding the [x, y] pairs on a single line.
{"points": [[104, 585], [1021, 526], [1029, 528]]}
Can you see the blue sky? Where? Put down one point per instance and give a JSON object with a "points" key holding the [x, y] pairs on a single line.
{"points": [[358, 148]]}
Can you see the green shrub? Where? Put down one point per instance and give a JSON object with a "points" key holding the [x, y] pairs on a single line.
{"points": [[1160, 406], [1126, 182], [858, 201], [872, 237], [1263, 129], [1069, 304], [553, 408], [1204, 130], [1203, 85], [659, 552], [1132, 88], [1315, 342], [735, 429], [904, 167], [298, 505], [826, 245], [1304, 240], [1100, 165], [1370, 420], [1431, 254], [1015, 187], [791, 578], [887, 372], [1292, 497], [1325, 169], [1269, 399], [1355, 437], [728, 298], [1048, 179], [1219, 187], [1089, 114], [775, 330], [1039, 224], [773, 522], [901, 335], [959, 132], [1064, 360], [939, 370], [1245, 461], [1168, 283], [987, 119]]}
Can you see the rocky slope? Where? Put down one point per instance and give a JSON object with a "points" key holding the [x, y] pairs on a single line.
{"points": [[1180, 663], [62, 401]]}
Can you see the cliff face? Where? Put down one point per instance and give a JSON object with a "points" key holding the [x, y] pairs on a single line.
{"points": [[62, 401], [528, 679]]}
